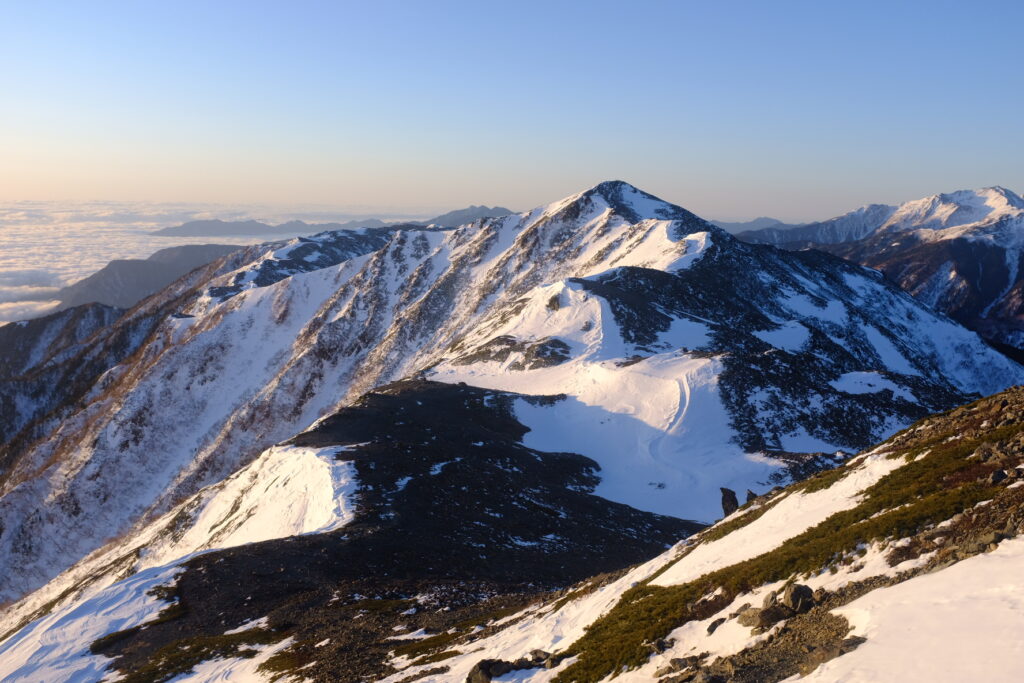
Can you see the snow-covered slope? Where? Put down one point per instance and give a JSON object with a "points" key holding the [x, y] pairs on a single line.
{"points": [[905, 563], [380, 492], [28, 344], [959, 252], [285, 492], [717, 357], [905, 560]]}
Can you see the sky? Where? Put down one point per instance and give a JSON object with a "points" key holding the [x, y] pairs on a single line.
{"points": [[798, 110]]}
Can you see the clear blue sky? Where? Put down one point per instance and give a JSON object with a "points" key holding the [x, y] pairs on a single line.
{"points": [[734, 109]]}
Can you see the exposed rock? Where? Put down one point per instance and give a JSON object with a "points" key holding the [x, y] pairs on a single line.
{"points": [[487, 669], [765, 617], [798, 597], [742, 608], [713, 626], [730, 503]]}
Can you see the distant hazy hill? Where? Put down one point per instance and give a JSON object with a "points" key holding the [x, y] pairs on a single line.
{"points": [[217, 227], [761, 223], [123, 283]]}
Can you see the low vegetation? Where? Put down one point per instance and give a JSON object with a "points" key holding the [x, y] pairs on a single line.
{"points": [[939, 480]]}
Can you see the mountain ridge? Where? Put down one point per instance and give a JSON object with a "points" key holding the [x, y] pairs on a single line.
{"points": [[218, 227], [250, 350], [959, 252]]}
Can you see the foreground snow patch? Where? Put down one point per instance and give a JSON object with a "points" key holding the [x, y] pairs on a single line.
{"points": [[234, 669], [791, 516], [974, 609]]}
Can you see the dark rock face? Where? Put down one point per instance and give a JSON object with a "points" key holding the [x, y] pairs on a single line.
{"points": [[450, 503], [538, 354], [729, 502], [977, 283]]}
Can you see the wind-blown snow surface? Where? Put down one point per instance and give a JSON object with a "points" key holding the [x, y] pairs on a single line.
{"points": [[237, 368], [958, 623], [287, 491], [56, 648]]}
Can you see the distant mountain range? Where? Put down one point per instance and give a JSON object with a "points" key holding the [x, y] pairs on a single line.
{"points": [[219, 228], [960, 252]]}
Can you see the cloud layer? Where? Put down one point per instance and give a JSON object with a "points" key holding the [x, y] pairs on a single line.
{"points": [[47, 245]]}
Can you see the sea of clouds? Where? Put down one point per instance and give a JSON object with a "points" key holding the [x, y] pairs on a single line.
{"points": [[47, 245]]}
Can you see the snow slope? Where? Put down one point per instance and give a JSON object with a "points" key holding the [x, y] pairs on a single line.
{"points": [[286, 491], [947, 610], [56, 648], [958, 623]]}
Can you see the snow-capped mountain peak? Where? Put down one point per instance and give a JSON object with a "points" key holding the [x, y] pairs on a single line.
{"points": [[623, 200], [948, 210], [961, 252]]}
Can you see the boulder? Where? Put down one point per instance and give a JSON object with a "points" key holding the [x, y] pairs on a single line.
{"points": [[487, 669], [750, 617], [765, 617], [740, 611], [797, 597]]}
